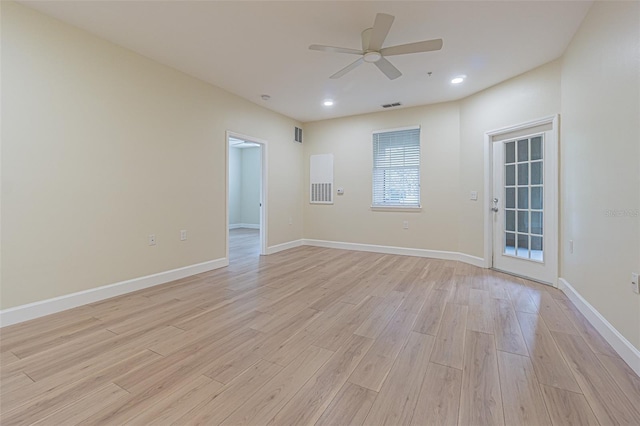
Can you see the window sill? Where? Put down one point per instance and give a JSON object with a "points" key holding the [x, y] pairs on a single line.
{"points": [[396, 209]]}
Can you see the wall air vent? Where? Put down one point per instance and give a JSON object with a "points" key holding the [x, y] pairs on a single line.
{"points": [[395, 104], [298, 134], [321, 179], [321, 193]]}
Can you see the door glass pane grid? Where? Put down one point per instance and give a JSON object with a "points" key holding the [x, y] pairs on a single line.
{"points": [[523, 195]]}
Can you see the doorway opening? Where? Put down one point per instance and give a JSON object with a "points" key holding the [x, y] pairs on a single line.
{"points": [[246, 198], [521, 216]]}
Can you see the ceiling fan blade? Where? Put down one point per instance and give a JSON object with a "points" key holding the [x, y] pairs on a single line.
{"points": [[381, 28], [348, 68], [420, 46], [335, 49], [388, 69]]}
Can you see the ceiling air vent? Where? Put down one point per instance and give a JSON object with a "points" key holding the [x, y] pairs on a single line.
{"points": [[298, 134], [395, 104]]}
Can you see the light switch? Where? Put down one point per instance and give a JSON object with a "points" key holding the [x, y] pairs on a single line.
{"points": [[473, 195]]}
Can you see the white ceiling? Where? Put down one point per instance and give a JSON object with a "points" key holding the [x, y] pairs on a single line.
{"points": [[252, 48]]}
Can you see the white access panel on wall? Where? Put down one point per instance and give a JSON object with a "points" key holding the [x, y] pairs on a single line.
{"points": [[321, 178]]}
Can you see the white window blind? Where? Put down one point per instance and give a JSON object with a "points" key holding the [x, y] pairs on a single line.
{"points": [[396, 168]]}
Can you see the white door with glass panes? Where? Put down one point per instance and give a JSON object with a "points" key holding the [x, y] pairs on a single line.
{"points": [[524, 204]]}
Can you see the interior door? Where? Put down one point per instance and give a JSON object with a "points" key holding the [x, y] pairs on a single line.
{"points": [[524, 206]]}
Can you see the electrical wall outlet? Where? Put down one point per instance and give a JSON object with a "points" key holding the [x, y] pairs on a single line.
{"points": [[183, 235], [634, 283], [152, 239], [405, 224], [473, 195]]}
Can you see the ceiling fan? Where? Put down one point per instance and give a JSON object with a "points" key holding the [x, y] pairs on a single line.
{"points": [[373, 52]]}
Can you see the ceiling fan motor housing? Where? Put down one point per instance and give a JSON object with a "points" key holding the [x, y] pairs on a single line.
{"points": [[372, 57]]}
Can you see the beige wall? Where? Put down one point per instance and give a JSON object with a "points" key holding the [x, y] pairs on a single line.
{"points": [[600, 155], [452, 166], [250, 204], [235, 185], [350, 218], [102, 147], [595, 87], [530, 96], [244, 186]]}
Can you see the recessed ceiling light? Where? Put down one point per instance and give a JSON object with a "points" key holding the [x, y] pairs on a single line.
{"points": [[459, 79], [328, 102]]}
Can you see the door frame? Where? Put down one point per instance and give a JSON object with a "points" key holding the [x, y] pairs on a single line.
{"points": [[553, 186], [264, 232]]}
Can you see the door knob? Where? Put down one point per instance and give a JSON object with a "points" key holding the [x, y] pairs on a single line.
{"points": [[494, 209]]}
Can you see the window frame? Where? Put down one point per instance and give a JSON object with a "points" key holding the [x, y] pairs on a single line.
{"points": [[395, 207]]}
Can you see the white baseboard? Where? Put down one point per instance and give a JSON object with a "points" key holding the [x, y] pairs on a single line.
{"points": [[57, 304], [61, 303], [472, 260], [244, 225], [629, 353], [404, 251], [284, 246]]}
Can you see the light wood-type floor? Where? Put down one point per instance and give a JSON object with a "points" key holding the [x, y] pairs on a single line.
{"points": [[319, 336]]}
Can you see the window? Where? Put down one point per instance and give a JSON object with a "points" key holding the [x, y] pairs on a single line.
{"points": [[396, 168]]}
